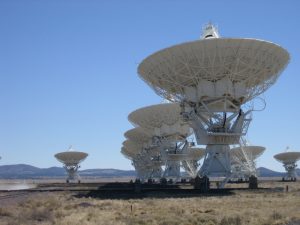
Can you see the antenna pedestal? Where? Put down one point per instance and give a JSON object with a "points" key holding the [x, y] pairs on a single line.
{"points": [[291, 171], [216, 161], [172, 170], [156, 172], [72, 172], [217, 126], [191, 167]]}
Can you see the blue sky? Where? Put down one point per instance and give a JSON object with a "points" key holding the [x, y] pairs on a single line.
{"points": [[68, 72]]}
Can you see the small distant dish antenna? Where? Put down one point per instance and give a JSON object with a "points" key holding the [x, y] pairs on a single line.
{"points": [[289, 160], [71, 160]]}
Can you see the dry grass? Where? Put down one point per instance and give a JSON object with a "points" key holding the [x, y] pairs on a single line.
{"points": [[261, 207]]}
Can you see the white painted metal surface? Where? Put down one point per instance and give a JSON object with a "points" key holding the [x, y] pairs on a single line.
{"points": [[252, 152], [71, 157], [138, 135], [288, 157], [191, 163], [243, 161], [211, 68], [160, 120], [132, 146]]}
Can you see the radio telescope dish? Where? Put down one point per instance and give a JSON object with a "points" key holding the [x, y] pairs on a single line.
{"points": [[212, 79], [289, 159], [240, 69], [71, 160], [71, 157], [137, 135], [132, 146], [252, 152], [161, 119], [243, 161], [129, 155]]}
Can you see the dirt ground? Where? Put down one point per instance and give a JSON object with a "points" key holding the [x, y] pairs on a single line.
{"points": [[273, 205]]}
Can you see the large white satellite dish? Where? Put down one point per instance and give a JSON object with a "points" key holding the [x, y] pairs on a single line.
{"points": [[211, 79]]}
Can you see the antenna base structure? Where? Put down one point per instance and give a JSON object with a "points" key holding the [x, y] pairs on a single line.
{"points": [[191, 163], [217, 128], [143, 174], [291, 172], [191, 167], [172, 153], [72, 173]]}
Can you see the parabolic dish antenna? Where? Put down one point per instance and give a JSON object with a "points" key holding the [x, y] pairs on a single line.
{"points": [[129, 155], [240, 69], [132, 146], [288, 157], [138, 135], [71, 160], [71, 157], [251, 151], [161, 119]]}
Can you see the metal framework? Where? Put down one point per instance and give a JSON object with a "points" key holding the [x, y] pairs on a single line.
{"points": [[243, 161], [191, 162], [211, 79]]}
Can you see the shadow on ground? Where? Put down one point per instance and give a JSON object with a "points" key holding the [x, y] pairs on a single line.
{"points": [[130, 191]]}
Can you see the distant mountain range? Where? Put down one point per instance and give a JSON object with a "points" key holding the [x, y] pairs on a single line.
{"points": [[23, 171]]}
